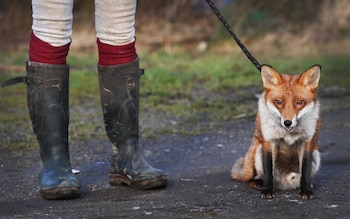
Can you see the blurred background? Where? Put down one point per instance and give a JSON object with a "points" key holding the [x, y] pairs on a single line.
{"points": [[287, 26]]}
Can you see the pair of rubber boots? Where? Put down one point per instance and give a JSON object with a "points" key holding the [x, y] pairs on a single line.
{"points": [[47, 96]]}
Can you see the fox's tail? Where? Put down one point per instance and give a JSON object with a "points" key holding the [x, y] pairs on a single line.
{"points": [[237, 169], [243, 169]]}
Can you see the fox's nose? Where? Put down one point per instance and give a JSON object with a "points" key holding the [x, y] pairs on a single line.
{"points": [[287, 123]]}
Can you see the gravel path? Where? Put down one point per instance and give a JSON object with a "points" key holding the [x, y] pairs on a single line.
{"points": [[198, 168]]}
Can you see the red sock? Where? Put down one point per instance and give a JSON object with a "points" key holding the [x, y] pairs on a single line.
{"points": [[40, 51], [114, 55]]}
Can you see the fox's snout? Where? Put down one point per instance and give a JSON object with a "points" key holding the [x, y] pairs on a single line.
{"points": [[288, 124]]}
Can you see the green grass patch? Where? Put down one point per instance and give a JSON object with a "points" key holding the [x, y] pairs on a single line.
{"points": [[210, 87]]}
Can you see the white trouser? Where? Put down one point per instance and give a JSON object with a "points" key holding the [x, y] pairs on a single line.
{"points": [[114, 21]]}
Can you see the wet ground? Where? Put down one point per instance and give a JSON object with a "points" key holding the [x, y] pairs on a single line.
{"points": [[198, 168]]}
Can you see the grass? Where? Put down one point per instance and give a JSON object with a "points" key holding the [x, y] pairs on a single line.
{"points": [[212, 87], [224, 83]]}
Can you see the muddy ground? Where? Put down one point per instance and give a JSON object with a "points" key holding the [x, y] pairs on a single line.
{"points": [[198, 168]]}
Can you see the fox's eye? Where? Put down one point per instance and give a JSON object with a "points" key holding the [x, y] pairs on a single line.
{"points": [[299, 102], [278, 102]]}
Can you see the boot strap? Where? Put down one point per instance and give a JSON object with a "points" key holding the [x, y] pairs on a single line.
{"points": [[16, 80]]}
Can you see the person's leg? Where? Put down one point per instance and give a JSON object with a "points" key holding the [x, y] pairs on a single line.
{"points": [[47, 95], [115, 31], [119, 75], [51, 31]]}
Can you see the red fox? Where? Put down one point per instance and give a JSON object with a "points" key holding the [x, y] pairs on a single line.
{"points": [[284, 152]]}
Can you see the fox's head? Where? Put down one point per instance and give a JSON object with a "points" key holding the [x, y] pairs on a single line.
{"points": [[290, 97]]}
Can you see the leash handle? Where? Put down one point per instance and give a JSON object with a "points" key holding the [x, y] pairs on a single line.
{"points": [[228, 28]]}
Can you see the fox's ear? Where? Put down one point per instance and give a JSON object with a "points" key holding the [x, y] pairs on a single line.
{"points": [[311, 77], [270, 76]]}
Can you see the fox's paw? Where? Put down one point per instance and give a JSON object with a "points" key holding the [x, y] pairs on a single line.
{"points": [[306, 195], [267, 194], [256, 184]]}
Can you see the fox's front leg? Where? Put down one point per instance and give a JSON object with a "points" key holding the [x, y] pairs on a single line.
{"points": [[305, 181], [267, 192]]}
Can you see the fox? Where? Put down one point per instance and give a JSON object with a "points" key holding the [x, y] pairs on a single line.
{"points": [[284, 153]]}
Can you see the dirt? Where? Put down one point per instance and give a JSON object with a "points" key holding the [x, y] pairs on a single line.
{"points": [[198, 168]]}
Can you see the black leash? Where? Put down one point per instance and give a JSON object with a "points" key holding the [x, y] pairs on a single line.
{"points": [[228, 28]]}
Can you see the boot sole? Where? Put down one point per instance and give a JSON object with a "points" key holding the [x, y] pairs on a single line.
{"points": [[155, 183], [60, 193]]}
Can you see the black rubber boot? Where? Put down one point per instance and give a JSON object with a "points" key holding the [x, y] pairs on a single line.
{"points": [[47, 94], [119, 87]]}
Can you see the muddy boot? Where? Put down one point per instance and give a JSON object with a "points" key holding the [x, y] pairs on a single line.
{"points": [[119, 87], [47, 94]]}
